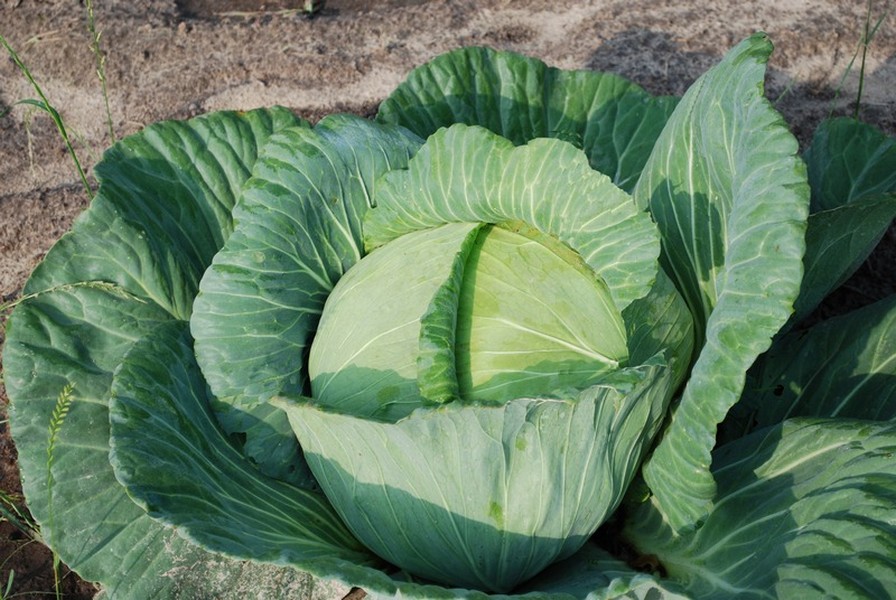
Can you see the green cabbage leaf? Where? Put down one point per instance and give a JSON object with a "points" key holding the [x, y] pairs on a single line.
{"points": [[529, 333]]}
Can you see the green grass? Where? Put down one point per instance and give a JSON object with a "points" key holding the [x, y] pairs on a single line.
{"points": [[57, 419], [7, 590], [869, 32], [865, 43], [100, 59], [43, 103], [19, 518], [10, 512]]}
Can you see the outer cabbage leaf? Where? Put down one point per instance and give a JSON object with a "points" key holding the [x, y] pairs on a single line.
{"points": [[661, 322], [849, 160], [298, 229], [844, 367], [158, 393], [264, 434], [852, 173], [592, 573], [838, 241], [804, 509], [130, 262], [163, 208], [547, 473], [730, 198], [615, 121]]}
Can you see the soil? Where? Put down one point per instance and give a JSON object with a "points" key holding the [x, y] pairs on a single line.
{"points": [[173, 59]]}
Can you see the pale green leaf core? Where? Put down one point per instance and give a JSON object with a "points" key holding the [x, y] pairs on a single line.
{"points": [[531, 322], [485, 314], [366, 366]]}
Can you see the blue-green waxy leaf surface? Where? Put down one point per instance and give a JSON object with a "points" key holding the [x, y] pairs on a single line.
{"points": [[844, 367], [130, 263], [548, 473], [852, 173], [298, 229], [804, 509], [163, 435], [730, 198], [613, 120], [849, 160]]}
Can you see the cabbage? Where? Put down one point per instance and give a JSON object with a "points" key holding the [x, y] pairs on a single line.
{"points": [[530, 332], [506, 348]]}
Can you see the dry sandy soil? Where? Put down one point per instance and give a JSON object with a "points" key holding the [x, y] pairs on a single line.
{"points": [[173, 59]]}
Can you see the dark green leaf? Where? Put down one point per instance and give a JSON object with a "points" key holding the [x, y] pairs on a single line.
{"points": [[613, 120], [844, 367], [838, 240], [804, 509], [849, 160]]}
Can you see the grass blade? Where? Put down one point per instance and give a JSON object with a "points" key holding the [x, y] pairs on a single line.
{"points": [[45, 105], [100, 64]]}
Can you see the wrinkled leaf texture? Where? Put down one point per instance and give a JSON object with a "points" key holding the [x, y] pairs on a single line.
{"points": [[132, 265], [131, 262]]}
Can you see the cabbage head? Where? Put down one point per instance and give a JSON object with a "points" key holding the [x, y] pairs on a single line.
{"points": [[529, 333], [489, 326]]}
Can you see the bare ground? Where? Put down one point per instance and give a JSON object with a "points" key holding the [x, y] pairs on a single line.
{"points": [[178, 58]]}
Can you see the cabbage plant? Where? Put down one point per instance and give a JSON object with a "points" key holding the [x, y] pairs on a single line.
{"points": [[530, 332]]}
